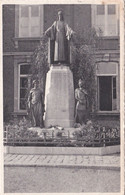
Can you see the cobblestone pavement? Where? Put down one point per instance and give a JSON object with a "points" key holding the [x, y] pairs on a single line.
{"points": [[108, 162]]}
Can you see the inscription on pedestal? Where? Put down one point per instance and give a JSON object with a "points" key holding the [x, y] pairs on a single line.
{"points": [[59, 97]]}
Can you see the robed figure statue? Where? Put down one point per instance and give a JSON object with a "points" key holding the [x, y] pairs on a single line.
{"points": [[36, 105], [82, 104], [59, 35]]}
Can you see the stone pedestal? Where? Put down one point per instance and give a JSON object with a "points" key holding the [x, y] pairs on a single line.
{"points": [[59, 97]]}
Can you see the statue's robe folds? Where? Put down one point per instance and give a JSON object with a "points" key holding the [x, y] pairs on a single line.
{"points": [[59, 42], [35, 100], [81, 106]]}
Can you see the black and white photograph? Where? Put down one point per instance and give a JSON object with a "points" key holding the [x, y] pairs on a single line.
{"points": [[62, 91]]}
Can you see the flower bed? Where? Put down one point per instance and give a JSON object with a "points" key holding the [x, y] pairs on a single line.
{"points": [[87, 135]]}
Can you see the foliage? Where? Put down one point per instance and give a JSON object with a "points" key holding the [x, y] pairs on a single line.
{"points": [[59, 134], [91, 131], [89, 134], [39, 64], [17, 130], [83, 63], [87, 131]]}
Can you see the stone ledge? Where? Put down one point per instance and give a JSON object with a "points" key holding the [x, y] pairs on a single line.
{"points": [[116, 168], [62, 150]]}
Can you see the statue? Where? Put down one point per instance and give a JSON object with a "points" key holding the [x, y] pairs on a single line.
{"points": [[82, 104], [59, 35], [36, 105]]}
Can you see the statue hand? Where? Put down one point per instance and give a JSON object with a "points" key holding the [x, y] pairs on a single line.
{"points": [[73, 36], [29, 105], [44, 34], [47, 33]]}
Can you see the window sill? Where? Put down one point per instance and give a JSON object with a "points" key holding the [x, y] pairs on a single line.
{"points": [[107, 113], [19, 113], [17, 39], [26, 38], [108, 37]]}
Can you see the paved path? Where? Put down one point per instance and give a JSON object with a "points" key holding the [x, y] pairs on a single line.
{"points": [[84, 161]]}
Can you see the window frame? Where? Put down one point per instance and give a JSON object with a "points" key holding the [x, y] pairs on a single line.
{"points": [[17, 19], [94, 18], [17, 86], [117, 95]]}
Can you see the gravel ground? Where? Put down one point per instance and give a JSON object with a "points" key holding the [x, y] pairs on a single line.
{"points": [[47, 179]]}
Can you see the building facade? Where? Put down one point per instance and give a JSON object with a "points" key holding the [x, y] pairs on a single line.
{"points": [[23, 25]]}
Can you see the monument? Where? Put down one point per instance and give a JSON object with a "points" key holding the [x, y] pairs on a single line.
{"points": [[59, 92]]}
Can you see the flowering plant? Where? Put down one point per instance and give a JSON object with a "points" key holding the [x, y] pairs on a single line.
{"points": [[91, 131], [19, 129], [88, 131]]}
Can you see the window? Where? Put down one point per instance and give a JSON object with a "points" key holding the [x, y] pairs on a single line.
{"points": [[30, 24], [105, 19], [111, 9], [107, 86], [23, 85], [100, 9], [107, 93]]}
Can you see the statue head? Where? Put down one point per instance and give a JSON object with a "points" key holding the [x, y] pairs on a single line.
{"points": [[80, 83], [60, 15], [35, 83]]}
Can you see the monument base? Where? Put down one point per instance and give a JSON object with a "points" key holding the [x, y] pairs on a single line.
{"points": [[59, 97], [60, 122]]}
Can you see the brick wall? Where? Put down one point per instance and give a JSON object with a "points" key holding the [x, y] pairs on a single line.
{"points": [[8, 83], [8, 27], [82, 17]]}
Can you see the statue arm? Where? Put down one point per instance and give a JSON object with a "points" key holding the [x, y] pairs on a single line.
{"points": [[69, 32], [76, 95], [42, 102], [81, 99], [50, 32], [85, 92], [29, 99]]}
